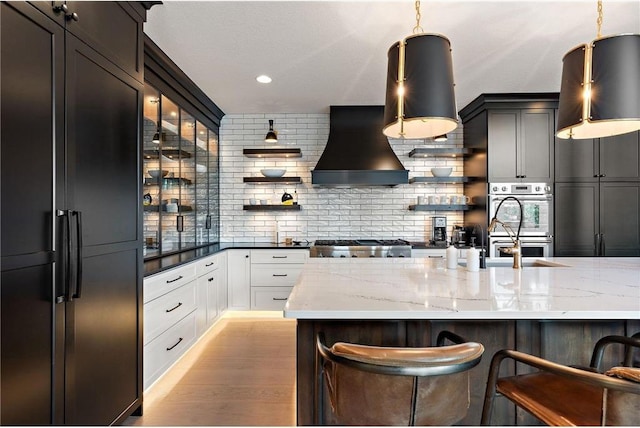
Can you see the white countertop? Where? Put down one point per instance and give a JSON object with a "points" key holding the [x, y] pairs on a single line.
{"points": [[422, 288]]}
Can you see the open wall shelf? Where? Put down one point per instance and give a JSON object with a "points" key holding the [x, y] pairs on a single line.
{"points": [[273, 153], [439, 180], [425, 152], [271, 207], [439, 207], [266, 180]]}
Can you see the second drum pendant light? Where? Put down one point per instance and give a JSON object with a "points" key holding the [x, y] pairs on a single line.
{"points": [[420, 100]]}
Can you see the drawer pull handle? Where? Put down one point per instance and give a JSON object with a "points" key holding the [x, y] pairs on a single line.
{"points": [[210, 264], [177, 343], [278, 257], [279, 298], [210, 279], [174, 308], [435, 257], [169, 281], [280, 274]]}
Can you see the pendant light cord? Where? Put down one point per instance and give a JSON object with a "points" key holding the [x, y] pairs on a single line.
{"points": [[418, 29], [599, 20]]}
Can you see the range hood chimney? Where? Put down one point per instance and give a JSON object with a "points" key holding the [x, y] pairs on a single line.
{"points": [[357, 152]]}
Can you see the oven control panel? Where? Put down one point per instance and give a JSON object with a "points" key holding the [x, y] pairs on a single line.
{"points": [[519, 189]]}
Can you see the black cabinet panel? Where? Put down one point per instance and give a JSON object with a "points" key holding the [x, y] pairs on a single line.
{"points": [[620, 219], [30, 65], [27, 323], [102, 137], [620, 157], [105, 336], [576, 160], [576, 219]]}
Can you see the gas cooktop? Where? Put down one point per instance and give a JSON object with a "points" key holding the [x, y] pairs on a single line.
{"points": [[361, 248]]}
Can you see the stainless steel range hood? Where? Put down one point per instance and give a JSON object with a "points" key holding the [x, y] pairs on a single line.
{"points": [[357, 153]]}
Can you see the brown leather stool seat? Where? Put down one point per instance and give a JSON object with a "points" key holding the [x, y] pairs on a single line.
{"points": [[372, 385], [560, 395]]}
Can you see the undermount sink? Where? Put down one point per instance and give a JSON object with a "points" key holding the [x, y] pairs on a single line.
{"points": [[508, 262]]}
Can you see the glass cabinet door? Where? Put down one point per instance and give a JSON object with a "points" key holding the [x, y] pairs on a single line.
{"points": [[151, 165], [180, 168]]}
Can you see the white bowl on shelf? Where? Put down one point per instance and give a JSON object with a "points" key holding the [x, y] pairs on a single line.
{"points": [[273, 172], [441, 171], [155, 173]]}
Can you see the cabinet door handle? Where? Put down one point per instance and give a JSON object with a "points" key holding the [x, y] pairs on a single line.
{"points": [[435, 257], [180, 223], [176, 344], [279, 298], [169, 281], [174, 308], [72, 17], [280, 274], [66, 255], [79, 248], [602, 245], [210, 279], [278, 257], [207, 222], [62, 8], [597, 243], [210, 264]]}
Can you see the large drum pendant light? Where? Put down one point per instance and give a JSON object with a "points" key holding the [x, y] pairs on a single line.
{"points": [[420, 100], [600, 89]]}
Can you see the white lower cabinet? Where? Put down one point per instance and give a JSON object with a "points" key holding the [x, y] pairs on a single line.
{"points": [[430, 253], [239, 277], [273, 275]]}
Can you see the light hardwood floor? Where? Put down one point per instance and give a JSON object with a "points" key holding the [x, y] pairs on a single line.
{"points": [[241, 373]]}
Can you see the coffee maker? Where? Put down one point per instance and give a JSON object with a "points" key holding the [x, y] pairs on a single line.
{"points": [[439, 236]]}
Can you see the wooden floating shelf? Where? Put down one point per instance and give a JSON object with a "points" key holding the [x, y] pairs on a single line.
{"points": [[156, 208], [439, 207], [272, 153], [271, 207], [263, 180], [167, 181], [425, 152], [170, 153], [439, 180]]}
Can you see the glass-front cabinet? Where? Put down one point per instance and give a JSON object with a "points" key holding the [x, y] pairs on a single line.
{"points": [[181, 178]]}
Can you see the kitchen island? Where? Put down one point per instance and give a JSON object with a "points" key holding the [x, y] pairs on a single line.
{"points": [[556, 308]]}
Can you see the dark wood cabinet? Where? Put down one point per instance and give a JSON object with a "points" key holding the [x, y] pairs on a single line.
{"points": [[597, 219], [598, 196], [614, 158], [71, 221], [520, 145]]}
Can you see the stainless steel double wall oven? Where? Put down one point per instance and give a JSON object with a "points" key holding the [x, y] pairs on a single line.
{"points": [[536, 235]]}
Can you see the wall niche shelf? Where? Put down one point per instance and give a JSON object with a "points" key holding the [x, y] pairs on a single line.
{"points": [[452, 152], [156, 208], [266, 180], [439, 207], [271, 207], [273, 153], [439, 180]]}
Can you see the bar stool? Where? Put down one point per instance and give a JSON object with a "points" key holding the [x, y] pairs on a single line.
{"points": [[569, 395], [374, 385]]}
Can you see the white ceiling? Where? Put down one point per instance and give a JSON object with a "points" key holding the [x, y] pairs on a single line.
{"points": [[322, 53]]}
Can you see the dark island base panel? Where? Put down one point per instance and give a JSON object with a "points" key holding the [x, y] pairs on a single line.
{"points": [[565, 342]]}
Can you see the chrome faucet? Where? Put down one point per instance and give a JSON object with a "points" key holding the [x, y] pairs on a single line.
{"points": [[516, 250]]}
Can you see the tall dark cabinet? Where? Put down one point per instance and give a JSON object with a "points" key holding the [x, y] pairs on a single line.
{"points": [[71, 237], [598, 196]]}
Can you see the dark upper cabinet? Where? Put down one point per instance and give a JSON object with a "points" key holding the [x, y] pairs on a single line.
{"points": [[520, 145], [71, 223], [614, 158], [597, 219], [113, 29]]}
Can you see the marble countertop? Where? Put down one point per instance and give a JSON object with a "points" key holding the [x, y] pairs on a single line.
{"points": [[421, 288]]}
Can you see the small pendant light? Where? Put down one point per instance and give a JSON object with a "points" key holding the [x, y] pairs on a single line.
{"points": [[271, 137], [600, 89], [156, 137], [420, 100]]}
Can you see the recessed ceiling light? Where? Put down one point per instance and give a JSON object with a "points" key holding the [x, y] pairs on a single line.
{"points": [[263, 78]]}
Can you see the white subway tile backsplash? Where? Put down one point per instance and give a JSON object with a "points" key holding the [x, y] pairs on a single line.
{"points": [[325, 213]]}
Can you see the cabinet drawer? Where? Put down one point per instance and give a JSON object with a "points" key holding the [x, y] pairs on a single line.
{"points": [[206, 265], [429, 253], [161, 313], [161, 283], [269, 298], [266, 275], [278, 256], [162, 352]]}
